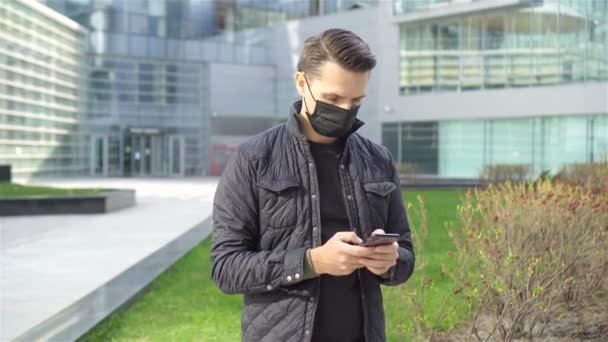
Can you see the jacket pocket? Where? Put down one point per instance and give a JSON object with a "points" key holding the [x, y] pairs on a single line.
{"points": [[278, 201], [377, 193]]}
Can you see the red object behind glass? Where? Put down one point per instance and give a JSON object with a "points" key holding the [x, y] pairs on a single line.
{"points": [[218, 157]]}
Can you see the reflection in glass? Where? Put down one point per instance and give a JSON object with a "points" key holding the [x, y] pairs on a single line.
{"points": [[461, 148], [555, 42], [177, 157]]}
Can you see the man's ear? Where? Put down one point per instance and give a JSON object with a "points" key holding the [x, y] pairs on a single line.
{"points": [[300, 83]]}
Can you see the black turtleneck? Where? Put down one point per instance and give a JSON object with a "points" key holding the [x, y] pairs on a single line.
{"points": [[339, 316]]}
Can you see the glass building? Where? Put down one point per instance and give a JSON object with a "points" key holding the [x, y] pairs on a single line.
{"points": [[461, 148], [550, 44], [147, 110], [462, 84], [127, 92], [247, 14], [42, 58], [148, 75]]}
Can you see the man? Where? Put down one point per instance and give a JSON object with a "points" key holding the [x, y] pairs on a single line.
{"points": [[295, 201]]}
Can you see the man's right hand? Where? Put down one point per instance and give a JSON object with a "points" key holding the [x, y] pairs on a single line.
{"points": [[339, 255]]}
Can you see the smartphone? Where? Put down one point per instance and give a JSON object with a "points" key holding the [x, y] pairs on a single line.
{"points": [[380, 239]]}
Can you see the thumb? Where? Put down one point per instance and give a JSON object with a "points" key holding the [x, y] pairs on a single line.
{"points": [[378, 231], [349, 237]]}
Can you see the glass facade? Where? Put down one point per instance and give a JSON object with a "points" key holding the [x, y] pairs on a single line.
{"points": [[461, 148], [42, 92], [192, 19], [408, 6], [208, 49], [256, 13], [148, 111], [147, 108], [168, 29], [176, 19], [550, 42], [142, 105]]}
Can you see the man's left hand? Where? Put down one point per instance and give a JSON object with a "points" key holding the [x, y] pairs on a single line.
{"points": [[383, 258]]}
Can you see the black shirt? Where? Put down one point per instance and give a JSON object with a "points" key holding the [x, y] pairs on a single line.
{"points": [[339, 316]]}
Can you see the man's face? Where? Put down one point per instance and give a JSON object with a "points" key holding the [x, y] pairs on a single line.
{"points": [[334, 85]]}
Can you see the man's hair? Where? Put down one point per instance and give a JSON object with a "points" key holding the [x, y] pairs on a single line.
{"points": [[336, 45]]}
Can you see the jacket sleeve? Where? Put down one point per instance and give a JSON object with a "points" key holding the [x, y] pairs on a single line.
{"points": [[237, 266], [398, 224]]}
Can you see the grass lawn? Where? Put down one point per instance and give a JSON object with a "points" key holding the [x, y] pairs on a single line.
{"points": [[183, 304], [441, 207], [18, 190]]}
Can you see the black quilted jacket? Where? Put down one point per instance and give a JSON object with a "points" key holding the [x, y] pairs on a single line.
{"points": [[266, 214]]}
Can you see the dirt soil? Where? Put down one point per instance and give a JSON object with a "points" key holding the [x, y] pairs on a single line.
{"points": [[588, 325]]}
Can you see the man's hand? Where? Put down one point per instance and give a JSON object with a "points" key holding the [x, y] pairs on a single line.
{"points": [[383, 258], [339, 256]]}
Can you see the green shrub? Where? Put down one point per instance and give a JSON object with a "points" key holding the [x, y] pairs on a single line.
{"points": [[529, 253], [505, 172], [406, 168], [592, 175]]}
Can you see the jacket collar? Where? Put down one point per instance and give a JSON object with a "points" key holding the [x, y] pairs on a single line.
{"points": [[294, 126]]}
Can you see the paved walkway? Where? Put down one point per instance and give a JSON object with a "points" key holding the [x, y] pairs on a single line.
{"points": [[61, 274]]}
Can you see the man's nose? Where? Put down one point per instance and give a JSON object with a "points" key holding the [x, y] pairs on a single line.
{"points": [[346, 105]]}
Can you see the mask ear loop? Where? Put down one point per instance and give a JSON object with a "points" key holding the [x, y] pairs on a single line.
{"points": [[310, 91]]}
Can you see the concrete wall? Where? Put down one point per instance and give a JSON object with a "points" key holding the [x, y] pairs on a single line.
{"points": [[578, 98], [242, 90]]}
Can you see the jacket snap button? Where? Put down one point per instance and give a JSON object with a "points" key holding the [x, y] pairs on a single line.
{"points": [[288, 278]]}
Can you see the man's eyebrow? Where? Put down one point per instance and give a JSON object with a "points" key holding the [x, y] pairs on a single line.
{"points": [[338, 96], [331, 95]]}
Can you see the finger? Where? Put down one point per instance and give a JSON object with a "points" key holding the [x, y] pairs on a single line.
{"points": [[377, 271], [358, 251], [348, 237], [392, 248], [376, 263], [382, 256], [378, 231], [367, 261], [350, 261], [349, 267]]}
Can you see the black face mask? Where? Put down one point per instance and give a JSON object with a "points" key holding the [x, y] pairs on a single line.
{"points": [[329, 120]]}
